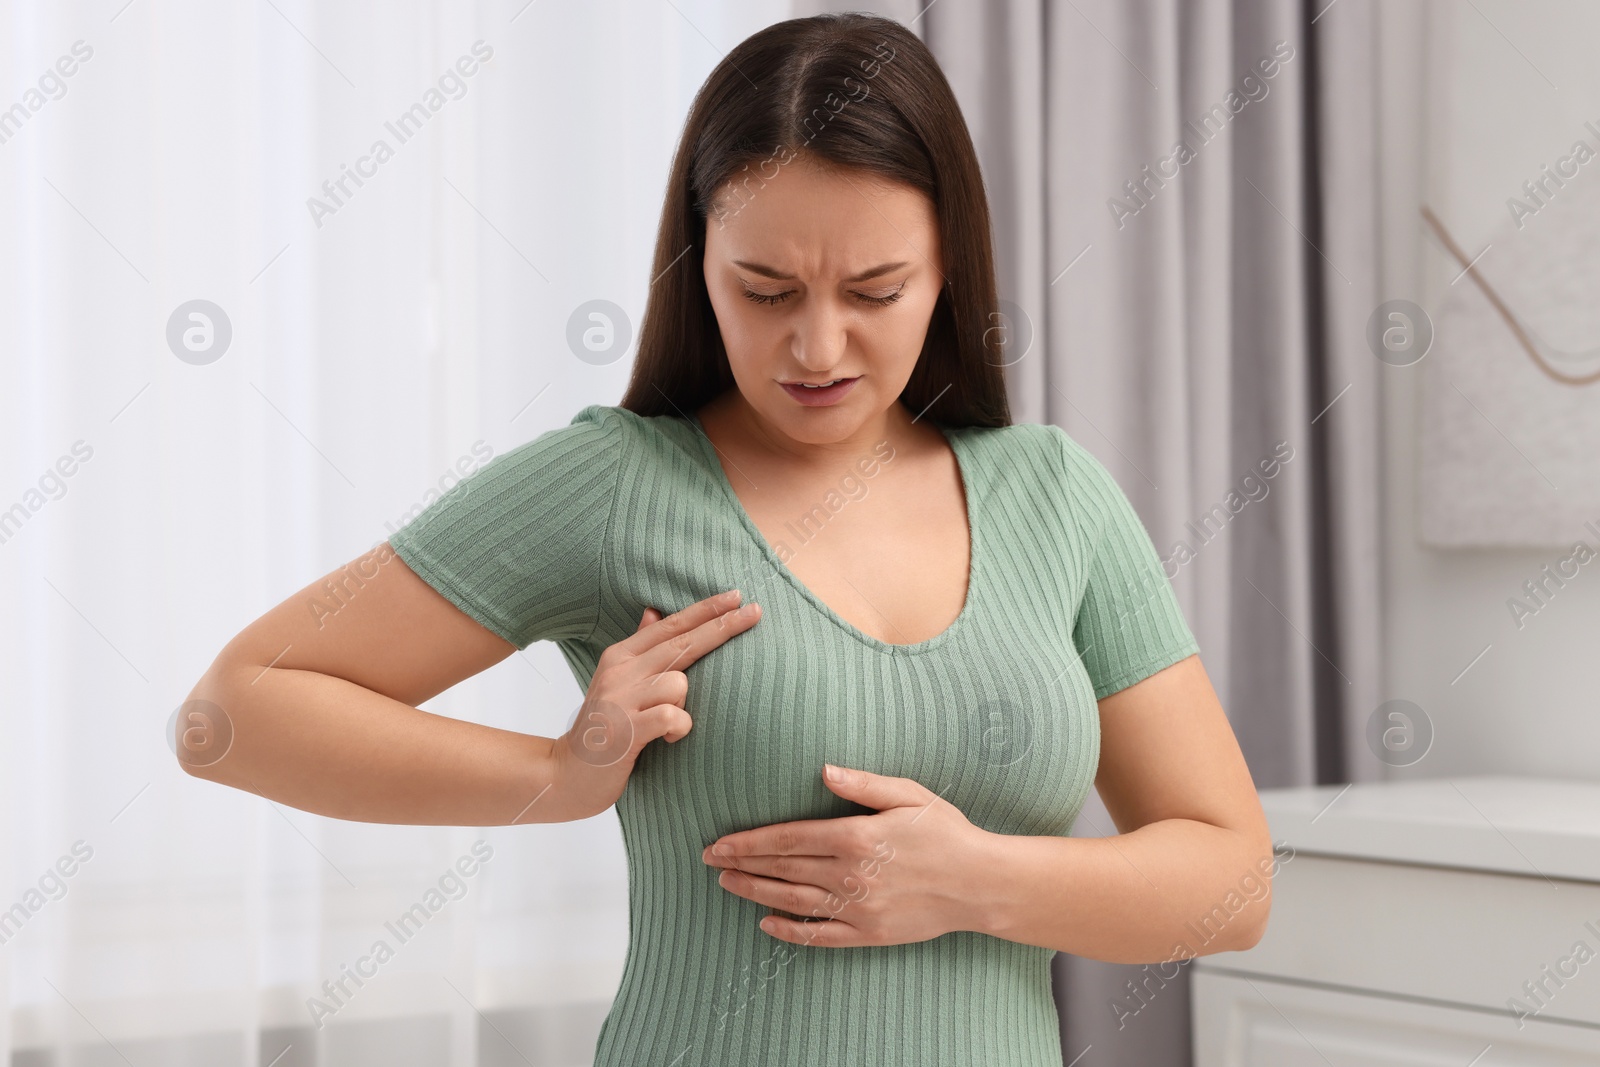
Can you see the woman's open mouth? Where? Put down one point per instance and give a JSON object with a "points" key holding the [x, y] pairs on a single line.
{"points": [[820, 395]]}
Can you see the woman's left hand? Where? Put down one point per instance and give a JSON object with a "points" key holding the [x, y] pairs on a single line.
{"points": [[908, 873]]}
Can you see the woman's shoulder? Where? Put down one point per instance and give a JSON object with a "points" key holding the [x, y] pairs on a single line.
{"points": [[1038, 446], [612, 432], [1047, 454], [619, 422], [602, 444]]}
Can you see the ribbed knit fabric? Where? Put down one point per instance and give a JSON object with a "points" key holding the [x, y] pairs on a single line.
{"points": [[570, 536]]}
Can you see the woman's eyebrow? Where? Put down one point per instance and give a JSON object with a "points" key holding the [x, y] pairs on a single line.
{"points": [[770, 272]]}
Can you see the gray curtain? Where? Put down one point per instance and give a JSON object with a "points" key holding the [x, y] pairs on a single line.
{"points": [[1184, 334]]}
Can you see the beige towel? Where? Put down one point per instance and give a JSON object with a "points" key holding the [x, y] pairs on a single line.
{"points": [[1510, 456]]}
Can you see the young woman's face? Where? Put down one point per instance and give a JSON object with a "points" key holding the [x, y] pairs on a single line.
{"points": [[823, 274]]}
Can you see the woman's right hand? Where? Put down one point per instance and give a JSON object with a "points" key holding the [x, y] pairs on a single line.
{"points": [[636, 696]]}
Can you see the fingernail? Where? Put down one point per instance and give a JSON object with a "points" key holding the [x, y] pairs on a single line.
{"points": [[721, 850], [750, 610], [730, 597], [832, 773]]}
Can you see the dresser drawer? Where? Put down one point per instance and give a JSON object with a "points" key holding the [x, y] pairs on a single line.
{"points": [[1470, 938], [1242, 1021]]}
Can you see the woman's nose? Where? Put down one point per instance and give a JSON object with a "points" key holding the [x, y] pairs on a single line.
{"points": [[820, 336]]}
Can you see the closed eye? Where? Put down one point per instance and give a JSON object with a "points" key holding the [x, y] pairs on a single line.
{"points": [[778, 298], [764, 298], [880, 301]]}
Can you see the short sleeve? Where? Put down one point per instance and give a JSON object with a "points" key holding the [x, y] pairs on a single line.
{"points": [[1129, 624], [518, 543]]}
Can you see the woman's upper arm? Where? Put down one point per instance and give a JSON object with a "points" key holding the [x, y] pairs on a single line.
{"points": [[1167, 751], [373, 622], [509, 555]]}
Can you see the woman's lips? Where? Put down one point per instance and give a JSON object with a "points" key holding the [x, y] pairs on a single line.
{"points": [[819, 398]]}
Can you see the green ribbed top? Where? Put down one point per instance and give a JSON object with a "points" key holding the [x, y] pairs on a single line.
{"points": [[570, 536]]}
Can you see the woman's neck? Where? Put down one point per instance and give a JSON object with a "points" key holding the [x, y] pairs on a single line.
{"points": [[735, 426]]}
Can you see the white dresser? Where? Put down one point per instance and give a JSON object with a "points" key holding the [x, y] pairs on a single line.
{"points": [[1411, 925]]}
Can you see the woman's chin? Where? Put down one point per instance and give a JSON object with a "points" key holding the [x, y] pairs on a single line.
{"points": [[826, 424]]}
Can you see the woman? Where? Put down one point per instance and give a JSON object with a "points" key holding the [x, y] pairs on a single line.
{"points": [[964, 615]]}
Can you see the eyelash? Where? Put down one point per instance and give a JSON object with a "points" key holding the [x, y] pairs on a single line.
{"points": [[778, 298]]}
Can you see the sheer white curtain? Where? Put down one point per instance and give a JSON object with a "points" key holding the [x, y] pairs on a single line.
{"points": [[168, 478]]}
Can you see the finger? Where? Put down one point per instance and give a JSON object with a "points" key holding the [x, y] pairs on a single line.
{"points": [[682, 649], [804, 901], [879, 791], [819, 933], [663, 687], [646, 619], [666, 721], [678, 622], [807, 837], [822, 872]]}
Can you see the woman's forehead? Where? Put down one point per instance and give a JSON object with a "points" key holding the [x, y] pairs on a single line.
{"points": [[815, 221]]}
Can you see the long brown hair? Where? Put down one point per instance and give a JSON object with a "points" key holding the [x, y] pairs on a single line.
{"points": [[855, 91]]}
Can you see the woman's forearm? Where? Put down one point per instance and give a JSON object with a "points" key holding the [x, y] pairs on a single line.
{"points": [[1169, 890], [327, 745]]}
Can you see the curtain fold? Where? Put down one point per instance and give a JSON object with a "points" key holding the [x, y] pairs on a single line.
{"points": [[387, 333]]}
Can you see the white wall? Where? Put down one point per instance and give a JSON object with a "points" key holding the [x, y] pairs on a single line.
{"points": [[1468, 81]]}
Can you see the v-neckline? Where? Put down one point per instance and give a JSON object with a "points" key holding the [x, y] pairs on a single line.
{"points": [[974, 545]]}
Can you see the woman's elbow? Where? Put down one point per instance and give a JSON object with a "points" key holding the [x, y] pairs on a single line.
{"points": [[201, 731]]}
